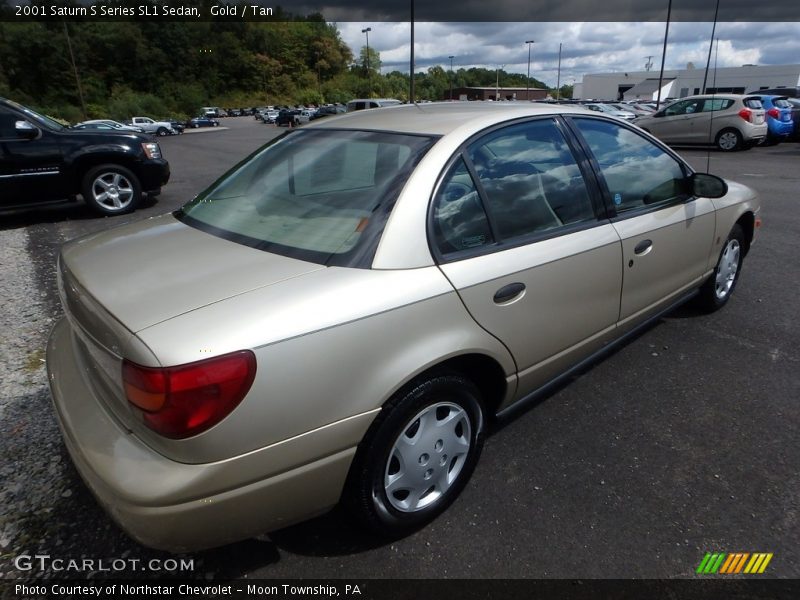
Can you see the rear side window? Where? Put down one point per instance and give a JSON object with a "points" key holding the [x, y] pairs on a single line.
{"points": [[715, 104], [637, 172], [316, 195]]}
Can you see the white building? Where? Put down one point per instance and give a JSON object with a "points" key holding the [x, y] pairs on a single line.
{"points": [[643, 85]]}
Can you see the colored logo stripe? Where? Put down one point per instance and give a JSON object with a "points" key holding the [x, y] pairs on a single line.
{"points": [[724, 563]]}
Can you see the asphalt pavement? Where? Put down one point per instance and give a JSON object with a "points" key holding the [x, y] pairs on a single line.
{"points": [[684, 441]]}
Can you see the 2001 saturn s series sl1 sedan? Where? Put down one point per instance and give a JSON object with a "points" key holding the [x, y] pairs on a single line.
{"points": [[339, 316]]}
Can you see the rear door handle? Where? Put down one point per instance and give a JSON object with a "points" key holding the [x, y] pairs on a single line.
{"points": [[643, 247], [508, 292]]}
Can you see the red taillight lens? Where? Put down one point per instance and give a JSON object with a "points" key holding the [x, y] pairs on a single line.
{"points": [[182, 401], [746, 114], [774, 113]]}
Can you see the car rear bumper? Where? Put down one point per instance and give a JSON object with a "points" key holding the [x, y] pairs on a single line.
{"points": [[780, 128], [176, 506]]}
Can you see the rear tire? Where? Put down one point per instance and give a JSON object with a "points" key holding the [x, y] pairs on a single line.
{"points": [[717, 290], [417, 456], [162, 131], [729, 140]]}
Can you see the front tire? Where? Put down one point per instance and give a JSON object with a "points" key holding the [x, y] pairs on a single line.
{"points": [[417, 456], [717, 290], [111, 189], [162, 131]]}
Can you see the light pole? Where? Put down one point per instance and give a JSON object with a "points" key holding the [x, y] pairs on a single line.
{"points": [[497, 83], [451, 77], [558, 82], [369, 78], [528, 80]]}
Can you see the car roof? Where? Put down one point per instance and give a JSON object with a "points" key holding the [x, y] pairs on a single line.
{"points": [[438, 118]]}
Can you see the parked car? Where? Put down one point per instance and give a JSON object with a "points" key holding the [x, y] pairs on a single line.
{"points": [[107, 124], [366, 103], [610, 110], [149, 125], [43, 161], [287, 117], [202, 121], [634, 109], [269, 116], [235, 112], [790, 92], [355, 302], [795, 104], [729, 121], [329, 110], [214, 112], [780, 124], [177, 126]]}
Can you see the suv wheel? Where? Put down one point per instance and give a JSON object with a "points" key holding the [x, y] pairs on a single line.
{"points": [[417, 456], [729, 140], [162, 131], [111, 189]]}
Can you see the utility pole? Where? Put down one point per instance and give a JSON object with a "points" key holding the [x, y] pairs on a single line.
{"points": [[663, 56], [708, 62], [75, 71], [411, 70]]}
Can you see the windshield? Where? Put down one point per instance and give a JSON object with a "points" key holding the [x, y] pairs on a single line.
{"points": [[36, 117], [318, 195]]}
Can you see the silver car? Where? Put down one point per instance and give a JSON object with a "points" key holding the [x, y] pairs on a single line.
{"points": [[339, 317], [729, 121]]}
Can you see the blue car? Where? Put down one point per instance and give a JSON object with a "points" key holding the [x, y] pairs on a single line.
{"points": [[779, 119], [203, 121]]}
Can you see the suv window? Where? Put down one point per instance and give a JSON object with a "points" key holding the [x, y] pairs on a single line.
{"points": [[7, 122], [530, 179], [637, 172], [715, 104], [754, 103]]}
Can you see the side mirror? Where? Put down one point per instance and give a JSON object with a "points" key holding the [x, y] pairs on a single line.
{"points": [[25, 130], [708, 186]]}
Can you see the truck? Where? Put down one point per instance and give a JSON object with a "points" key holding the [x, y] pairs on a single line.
{"points": [[152, 126], [43, 161]]}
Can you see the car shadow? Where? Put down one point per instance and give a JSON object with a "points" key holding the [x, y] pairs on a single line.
{"points": [[56, 212]]}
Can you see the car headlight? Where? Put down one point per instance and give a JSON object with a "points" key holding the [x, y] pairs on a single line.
{"points": [[151, 150]]}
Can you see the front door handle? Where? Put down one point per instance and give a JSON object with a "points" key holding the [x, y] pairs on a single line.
{"points": [[643, 247], [508, 292]]}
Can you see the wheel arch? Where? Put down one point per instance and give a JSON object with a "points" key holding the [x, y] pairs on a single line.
{"points": [[748, 224], [81, 165]]}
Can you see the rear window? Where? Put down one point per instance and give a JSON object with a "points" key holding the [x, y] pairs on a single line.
{"points": [[754, 103], [782, 103], [317, 195]]}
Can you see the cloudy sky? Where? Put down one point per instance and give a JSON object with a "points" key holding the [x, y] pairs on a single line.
{"points": [[586, 47]]}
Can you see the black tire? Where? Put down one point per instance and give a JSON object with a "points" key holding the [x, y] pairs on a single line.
{"points": [[162, 131], [111, 189], [214, 124], [729, 140], [445, 465], [717, 290], [195, 125]]}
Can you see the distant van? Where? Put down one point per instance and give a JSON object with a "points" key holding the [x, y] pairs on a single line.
{"points": [[364, 103]]}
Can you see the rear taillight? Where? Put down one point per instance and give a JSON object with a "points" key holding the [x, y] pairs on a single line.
{"points": [[746, 114], [178, 402], [774, 113]]}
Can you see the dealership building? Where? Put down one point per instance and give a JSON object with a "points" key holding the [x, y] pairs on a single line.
{"points": [[643, 85]]}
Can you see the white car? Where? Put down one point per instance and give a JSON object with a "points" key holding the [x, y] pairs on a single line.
{"points": [[611, 110]]}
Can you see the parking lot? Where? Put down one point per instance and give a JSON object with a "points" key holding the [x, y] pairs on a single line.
{"points": [[682, 442]]}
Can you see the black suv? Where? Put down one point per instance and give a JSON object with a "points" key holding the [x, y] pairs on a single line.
{"points": [[43, 161]]}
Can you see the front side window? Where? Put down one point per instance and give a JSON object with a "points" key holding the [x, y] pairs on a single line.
{"points": [[684, 107], [531, 180], [637, 172], [317, 195]]}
